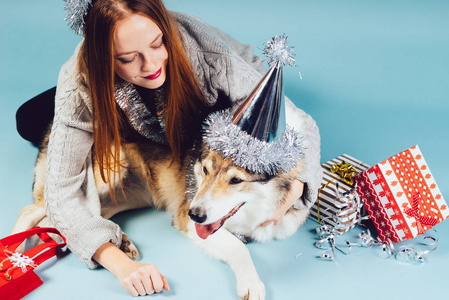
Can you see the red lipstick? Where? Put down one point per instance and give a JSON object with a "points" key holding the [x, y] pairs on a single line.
{"points": [[155, 75]]}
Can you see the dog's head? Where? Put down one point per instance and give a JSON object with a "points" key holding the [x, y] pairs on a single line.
{"points": [[223, 188]]}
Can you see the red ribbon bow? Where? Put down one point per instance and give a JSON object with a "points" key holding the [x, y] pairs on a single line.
{"points": [[414, 212]]}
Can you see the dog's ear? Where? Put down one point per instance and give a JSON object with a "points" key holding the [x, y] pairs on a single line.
{"points": [[203, 153], [266, 177], [196, 153], [262, 178], [285, 185]]}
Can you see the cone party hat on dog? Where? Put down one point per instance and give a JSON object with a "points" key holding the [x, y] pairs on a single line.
{"points": [[256, 137], [260, 114]]}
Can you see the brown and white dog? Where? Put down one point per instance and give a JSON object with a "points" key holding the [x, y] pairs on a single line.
{"points": [[228, 203]]}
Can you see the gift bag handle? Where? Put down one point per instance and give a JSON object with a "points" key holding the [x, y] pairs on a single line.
{"points": [[13, 241], [21, 236]]}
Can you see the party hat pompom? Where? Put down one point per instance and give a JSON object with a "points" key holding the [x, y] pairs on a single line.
{"points": [[277, 51], [76, 11]]}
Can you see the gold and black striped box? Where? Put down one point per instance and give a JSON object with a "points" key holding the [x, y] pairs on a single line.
{"points": [[330, 206]]}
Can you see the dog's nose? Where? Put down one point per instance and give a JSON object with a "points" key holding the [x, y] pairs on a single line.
{"points": [[197, 215]]}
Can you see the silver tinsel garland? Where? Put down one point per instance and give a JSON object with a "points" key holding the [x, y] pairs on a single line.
{"points": [[76, 11], [248, 152], [191, 183], [139, 116]]}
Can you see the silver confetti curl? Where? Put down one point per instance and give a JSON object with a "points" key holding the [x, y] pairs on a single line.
{"points": [[328, 235], [347, 203], [76, 11]]}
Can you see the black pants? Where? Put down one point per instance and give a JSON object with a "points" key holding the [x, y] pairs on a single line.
{"points": [[35, 116]]}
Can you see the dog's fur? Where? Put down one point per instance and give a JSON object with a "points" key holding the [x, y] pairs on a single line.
{"points": [[151, 179]]}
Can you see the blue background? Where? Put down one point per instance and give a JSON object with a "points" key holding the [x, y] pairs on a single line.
{"points": [[375, 78]]}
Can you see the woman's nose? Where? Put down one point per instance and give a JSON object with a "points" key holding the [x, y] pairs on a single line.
{"points": [[148, 64]]}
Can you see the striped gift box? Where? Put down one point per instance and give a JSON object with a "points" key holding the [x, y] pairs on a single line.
{"points": [[328, 207], [401, 196]]}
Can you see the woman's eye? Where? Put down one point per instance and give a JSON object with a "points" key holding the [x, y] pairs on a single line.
{"points": [[235, 180], [205, 171], [161, 43], [159, 46], [123, 61]]}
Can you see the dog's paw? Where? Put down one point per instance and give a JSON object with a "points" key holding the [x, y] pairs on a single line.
{"points": [[251, 289], [129, 248]]}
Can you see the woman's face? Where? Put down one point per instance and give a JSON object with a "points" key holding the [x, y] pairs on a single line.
{"points": [[140, 55]]}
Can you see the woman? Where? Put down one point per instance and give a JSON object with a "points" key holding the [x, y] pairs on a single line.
{"points": [[141, 73]]}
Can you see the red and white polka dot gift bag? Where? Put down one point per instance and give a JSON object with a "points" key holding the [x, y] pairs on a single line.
{"points": [[401, 196]]}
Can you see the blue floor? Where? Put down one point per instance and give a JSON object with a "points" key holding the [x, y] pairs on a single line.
{"points": [[375, 78]]}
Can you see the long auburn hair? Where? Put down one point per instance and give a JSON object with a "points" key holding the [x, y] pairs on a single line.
{"points": [[183, 95]]}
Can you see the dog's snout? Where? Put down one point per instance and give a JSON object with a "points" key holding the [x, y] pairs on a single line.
{"points": [[197, 215]]}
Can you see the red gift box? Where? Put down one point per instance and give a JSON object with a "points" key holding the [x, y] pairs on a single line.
{"points": [[401, 196]]}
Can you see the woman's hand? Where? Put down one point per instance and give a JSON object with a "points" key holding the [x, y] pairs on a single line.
{"points": [[137, 278], [294, 194], [141, 279]]}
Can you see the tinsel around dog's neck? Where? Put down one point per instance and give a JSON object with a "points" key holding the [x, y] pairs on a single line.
{"points": [[248, 152]]}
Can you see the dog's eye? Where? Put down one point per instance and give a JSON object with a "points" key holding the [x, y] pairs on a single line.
{"points": [[235, 180], [205, 171]]}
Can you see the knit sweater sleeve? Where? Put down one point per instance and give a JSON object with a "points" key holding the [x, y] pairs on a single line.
{"points": [[71, 198], [225, 68], [309, 133]]}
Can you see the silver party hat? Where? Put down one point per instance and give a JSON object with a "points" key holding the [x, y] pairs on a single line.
{"points": [[256, 136], [262, 115]]}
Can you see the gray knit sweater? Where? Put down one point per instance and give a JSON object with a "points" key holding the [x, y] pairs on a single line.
{"points": [[222, 66]]}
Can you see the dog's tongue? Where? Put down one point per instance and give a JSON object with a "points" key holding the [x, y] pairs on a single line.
{"points": [[204, 231]]}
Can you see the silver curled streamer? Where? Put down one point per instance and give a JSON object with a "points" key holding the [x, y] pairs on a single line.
{"points": [[328, 234], [406, 253], [347, 203]]}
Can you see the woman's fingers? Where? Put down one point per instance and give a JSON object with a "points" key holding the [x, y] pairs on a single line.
{"points": [[144, 279], [277, 221], [164, 280], [295, 192], [156, 279], [129, 287], [147, 284], [138, 283]]}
